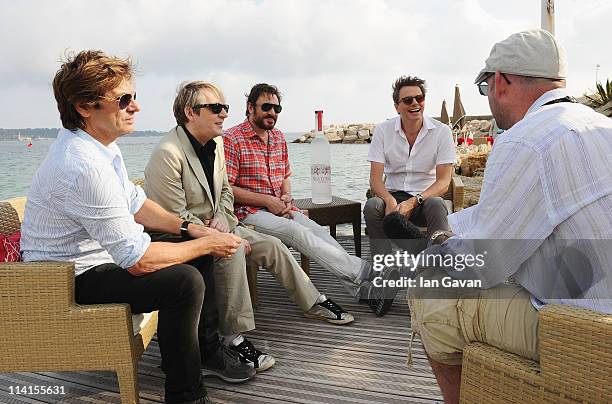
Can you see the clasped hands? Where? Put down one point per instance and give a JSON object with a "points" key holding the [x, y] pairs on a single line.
{"points": [[280, 206], [223, 244], [405, 208]]}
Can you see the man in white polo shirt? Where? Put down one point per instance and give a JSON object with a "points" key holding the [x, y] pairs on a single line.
{"points": [[417, 154]]}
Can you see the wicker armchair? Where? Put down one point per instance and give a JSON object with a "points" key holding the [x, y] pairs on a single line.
{"points": [[575, 363], [42, 329]]}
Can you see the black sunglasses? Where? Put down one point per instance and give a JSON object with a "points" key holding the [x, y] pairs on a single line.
{"points": [[266, 106], [124, 100], [408, 100], [483, 86], [215, 108]]}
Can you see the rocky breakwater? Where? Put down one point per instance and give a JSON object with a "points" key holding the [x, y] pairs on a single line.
{"points": [[472, 159], [352, 133], [478, 127], [471, 162]]}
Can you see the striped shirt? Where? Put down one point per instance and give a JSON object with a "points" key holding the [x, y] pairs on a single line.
{"points": [[81, 206], [254, 165], [547, 192]]}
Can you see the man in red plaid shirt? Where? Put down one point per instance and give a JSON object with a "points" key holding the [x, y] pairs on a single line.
{"points": [[258, 170]]}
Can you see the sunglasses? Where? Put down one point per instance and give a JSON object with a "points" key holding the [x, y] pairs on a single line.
{"points": [[483, 86], [215, 108], [408, 100], [267, 106], [124, 100]]}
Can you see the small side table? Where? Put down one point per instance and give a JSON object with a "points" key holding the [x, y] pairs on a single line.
{"points": [[338, 211]]}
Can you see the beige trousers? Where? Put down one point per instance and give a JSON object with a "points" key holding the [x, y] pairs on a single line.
{"points": [[502, 316], [232, 289]]}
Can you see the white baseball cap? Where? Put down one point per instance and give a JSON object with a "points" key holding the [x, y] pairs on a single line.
{"points": [[533, 53]]}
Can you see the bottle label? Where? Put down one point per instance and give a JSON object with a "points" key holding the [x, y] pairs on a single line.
{"points": [[321, 173]]}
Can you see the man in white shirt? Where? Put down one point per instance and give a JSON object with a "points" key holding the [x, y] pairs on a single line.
{"points": [[416, 153], [82, 208], [543, 216]]}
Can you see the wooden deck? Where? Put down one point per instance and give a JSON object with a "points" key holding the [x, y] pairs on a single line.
{"points": [[364, 362]]}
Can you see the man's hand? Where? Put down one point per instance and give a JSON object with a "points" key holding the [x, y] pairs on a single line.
{"points": [[197, 230], [390, 205], [219, 225], [247, 246], [288, 200], [406, 207], [276, 206], [223, 245]]}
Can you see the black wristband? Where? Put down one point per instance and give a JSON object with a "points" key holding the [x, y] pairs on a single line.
{"points": [[184, 231]]}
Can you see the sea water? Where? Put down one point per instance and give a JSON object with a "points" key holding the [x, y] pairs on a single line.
{"points": [[18, 163]]}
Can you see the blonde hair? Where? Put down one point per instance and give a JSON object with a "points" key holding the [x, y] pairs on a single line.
{"points": [[188, 95]]}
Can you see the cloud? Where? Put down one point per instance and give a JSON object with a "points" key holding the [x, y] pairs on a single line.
{"points": [[340, 55]]}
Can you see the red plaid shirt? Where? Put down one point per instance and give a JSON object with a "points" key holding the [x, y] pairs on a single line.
{"points": [[253, 165]]}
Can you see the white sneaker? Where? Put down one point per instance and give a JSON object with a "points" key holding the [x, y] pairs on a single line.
{"points": [[248, 353], [329, 311]]}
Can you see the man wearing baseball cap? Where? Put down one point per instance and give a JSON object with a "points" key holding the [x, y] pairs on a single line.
{"points": [[543, 215]]}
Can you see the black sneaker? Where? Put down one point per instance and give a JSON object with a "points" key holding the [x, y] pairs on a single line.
{"points": [[329, 311], [249, 354], [380, 299], [203, 400], [226, 364]]}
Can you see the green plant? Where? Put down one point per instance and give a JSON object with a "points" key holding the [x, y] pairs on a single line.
{"points": [[603, 95]]}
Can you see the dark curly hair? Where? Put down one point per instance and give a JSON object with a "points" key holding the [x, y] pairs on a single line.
{"points": [[407, 81], [259, 89]]}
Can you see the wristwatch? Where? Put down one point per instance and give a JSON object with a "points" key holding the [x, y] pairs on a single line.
{"points": [[419, 198], [438, 233], [184, 231]]}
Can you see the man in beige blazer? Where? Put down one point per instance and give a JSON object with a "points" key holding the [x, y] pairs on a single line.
{"points": [[186, 175]]}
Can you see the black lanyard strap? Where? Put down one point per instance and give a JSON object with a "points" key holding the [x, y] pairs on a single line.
{"points": [[564, 99]]}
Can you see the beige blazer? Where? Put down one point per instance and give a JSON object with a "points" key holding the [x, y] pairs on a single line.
{"points": [[174, 178]]}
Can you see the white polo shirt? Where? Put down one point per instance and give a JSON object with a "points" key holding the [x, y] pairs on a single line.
{"points": [[408, 169]]}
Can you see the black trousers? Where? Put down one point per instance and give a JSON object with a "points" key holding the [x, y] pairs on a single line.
{"points": [[178, 293], [209, 319]]}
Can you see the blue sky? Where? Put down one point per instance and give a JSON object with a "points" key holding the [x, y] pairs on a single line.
{"points": [[339, 55]]}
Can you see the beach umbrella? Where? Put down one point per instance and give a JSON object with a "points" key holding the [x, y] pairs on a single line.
{"points": [[458, 110], [444, 114]]}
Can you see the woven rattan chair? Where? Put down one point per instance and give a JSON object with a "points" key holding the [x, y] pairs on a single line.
{"points": [[575, 363], [42, 329]]}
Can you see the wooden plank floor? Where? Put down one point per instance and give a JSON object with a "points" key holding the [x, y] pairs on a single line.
{"points": [[316, 362]]}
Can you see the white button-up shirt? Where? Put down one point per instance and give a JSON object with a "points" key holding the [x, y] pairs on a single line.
{"points": [[547, 193], [412, 170], [81, 207]]}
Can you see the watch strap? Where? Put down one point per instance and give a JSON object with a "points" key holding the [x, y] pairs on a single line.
{"points": [[184, 230]]}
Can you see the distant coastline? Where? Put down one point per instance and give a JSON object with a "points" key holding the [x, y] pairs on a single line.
{"points": [[51, 133]]}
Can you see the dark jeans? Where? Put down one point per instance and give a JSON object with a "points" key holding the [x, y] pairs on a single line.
{"points": [[432, 214], [178, 293], [434, 217], [209, 319]]}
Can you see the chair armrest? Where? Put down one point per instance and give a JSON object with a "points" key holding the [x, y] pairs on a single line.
{"points": [[458, 191], [37, 287], [575, 352]]}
